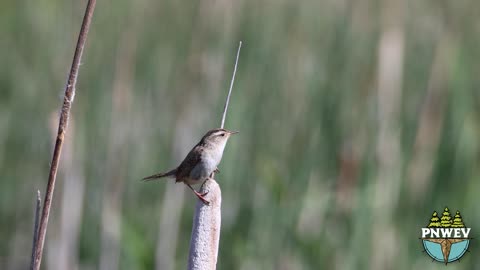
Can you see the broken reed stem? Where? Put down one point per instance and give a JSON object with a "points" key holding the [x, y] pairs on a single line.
{"points": [[35, 228], [206, 229], [62, 128], [225, 108]]}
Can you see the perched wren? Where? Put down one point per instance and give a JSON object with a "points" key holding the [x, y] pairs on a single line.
{"points": [[201, 162]]}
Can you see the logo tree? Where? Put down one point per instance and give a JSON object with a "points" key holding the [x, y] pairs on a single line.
{"points": [[457, 221], [434, 221], [446, 220]]}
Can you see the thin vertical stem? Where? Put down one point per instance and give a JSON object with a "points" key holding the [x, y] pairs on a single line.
{"points": [[35, 227], [225, 108], [62, 128]]}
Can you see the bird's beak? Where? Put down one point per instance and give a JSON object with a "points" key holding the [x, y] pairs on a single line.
{"points": [[233, 132]]}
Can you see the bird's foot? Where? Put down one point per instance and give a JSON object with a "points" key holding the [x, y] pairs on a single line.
{"points": [[214, 172], [200, 196]]}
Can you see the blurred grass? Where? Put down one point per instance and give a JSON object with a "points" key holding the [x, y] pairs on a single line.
{"points": [[301, 185]]}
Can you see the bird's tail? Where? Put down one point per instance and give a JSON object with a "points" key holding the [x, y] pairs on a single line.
{"points": [[160, 175]]}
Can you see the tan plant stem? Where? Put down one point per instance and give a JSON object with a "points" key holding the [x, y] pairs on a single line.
{"points": [[62, 128]]}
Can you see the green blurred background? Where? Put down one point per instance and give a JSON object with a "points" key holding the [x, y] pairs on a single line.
{"points": [[357, 120]]}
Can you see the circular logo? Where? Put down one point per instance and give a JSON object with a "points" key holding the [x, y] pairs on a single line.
{"points": [[445, 239]]}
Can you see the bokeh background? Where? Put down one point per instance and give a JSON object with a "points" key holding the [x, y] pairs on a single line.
{"points": [[357, 120]]}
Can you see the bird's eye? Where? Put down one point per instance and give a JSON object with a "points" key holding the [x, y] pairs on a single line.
{"points": [[223, 134]]}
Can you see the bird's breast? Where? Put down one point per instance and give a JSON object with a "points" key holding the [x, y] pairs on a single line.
{"points": [[214, 155]]}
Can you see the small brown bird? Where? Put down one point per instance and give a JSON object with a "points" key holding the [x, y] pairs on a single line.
{"points": [[201, 162]]}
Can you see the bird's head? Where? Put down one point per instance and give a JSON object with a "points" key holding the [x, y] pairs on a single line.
{"points": [[218, 136]]}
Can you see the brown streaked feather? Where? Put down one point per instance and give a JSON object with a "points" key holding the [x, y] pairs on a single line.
{"points": [[189, 163], [160, 175]]}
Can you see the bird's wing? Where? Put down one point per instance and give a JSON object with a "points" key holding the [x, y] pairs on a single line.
{"points": [[193, 157]]}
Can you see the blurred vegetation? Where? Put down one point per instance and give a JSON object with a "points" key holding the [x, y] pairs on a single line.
{"points": [[358, 119]]}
